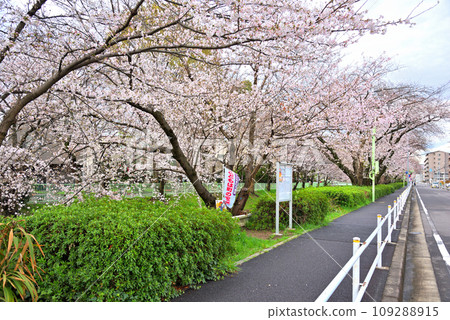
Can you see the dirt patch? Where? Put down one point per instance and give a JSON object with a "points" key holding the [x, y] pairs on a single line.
{"points": [[260, 234]]}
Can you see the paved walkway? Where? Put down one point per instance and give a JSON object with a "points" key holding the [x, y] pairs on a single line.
{"points": [[301, 269]]}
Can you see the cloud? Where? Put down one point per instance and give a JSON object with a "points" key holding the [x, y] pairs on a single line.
{"points": [[443, 146], [420, 51]]}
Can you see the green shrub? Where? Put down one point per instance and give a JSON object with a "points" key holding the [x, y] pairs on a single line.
{"points": [[263, 216], [346, 196], [87, 257], [382, 190], [353, 196], [307, 206]]}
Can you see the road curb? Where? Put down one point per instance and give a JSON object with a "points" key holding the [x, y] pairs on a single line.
{"points": [[393, 290], [268, 249]]}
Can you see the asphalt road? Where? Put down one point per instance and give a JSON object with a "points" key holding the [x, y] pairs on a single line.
{"points": [[437, 203], [301, 269]]}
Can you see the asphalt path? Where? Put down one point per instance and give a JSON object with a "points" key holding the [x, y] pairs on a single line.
{"points": [[437, 203], [299, 270]]}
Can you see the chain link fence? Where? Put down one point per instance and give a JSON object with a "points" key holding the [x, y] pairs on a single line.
{"points": [[50, 193]]}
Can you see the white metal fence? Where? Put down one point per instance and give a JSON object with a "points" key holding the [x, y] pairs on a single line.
{"points": [[358, 288]]}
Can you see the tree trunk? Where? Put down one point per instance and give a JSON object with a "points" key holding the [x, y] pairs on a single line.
{"points": [[250, 170], [332, 156], [241, 200], [243, 195], [296, 180], [161, 185], [178, 154], [303, 179], [269, 176], [251, 189]]}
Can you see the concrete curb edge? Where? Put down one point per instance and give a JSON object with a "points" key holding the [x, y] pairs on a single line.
{"points": [[393, 290]]}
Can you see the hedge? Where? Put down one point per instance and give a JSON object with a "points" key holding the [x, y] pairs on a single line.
{"points": [[311, 205], [307, 206], [87, 258], [382, 190]]}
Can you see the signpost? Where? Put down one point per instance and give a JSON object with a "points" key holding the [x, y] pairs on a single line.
{"points": [[284, 192]]}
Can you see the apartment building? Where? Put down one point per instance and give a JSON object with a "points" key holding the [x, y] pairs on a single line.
{"points": [[437, 166]]}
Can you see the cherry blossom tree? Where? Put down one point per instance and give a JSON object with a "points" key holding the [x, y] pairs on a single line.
{"points": [[363, 101], [90, 74]]}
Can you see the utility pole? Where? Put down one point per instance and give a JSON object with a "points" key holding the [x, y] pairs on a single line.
{"points": [[375, 166]]}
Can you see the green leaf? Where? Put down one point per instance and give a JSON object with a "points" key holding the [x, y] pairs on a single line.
{"points": [[9, 295]]}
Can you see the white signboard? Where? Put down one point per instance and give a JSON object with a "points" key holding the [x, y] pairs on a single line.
{"points": [[284, 182], [284, 192]]}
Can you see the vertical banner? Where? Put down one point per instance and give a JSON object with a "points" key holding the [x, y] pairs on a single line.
{"points": [[230, 184]]}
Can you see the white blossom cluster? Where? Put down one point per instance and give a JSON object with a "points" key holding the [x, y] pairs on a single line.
{"points": [[18, 172]]}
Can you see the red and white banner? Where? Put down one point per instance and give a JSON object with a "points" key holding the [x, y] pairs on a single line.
{"points": [[230, 184]]}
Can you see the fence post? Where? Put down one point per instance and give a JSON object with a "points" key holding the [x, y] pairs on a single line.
{"points": [[395, 213], [379, 235], [390, 227], [356, 272], [47, 193]]}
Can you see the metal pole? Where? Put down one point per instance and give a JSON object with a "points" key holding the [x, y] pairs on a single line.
{"points": [[373, 165], [356, 270], [290, 213], [401, 201], [395, 211], [380, 262], [277, 219], [277, 214], [390, 212]]}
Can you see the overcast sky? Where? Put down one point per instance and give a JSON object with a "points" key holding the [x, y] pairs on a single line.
{"points": [[421, 51]]}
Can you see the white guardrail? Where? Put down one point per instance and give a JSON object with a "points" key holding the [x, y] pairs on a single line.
{"points": [[358, 288]]}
